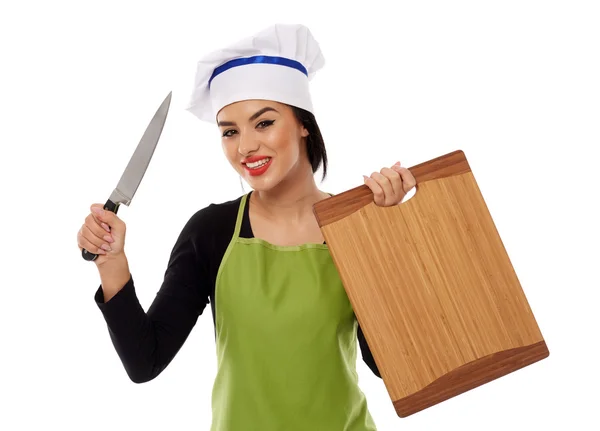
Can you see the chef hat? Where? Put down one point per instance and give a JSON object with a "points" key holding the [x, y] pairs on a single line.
{"points": [[275, 64]]}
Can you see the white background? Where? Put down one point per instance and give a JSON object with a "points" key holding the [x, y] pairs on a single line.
{"points": [[515, 84]]}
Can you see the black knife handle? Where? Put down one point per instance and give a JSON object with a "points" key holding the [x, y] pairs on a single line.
{"points": [[108, 206]]}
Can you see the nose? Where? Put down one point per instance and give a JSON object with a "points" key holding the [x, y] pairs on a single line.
{"points": [[247, 145]]}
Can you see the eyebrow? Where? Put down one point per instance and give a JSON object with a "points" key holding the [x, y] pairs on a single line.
{"points": [[252, 118]]}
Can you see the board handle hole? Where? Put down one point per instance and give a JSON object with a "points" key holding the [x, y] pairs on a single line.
{"points": [[409, 195]]}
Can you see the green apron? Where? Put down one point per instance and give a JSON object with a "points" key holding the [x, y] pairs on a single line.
{"points": [[286, 341]]}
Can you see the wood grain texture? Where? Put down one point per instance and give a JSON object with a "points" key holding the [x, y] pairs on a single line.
{"points": [[470, 376], [432, 286], [336, 208]]}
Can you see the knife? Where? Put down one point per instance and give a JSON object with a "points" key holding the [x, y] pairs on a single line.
{"points": [[136, 168]]}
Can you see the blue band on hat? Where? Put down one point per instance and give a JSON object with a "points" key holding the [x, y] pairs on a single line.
{"points": [[265, 59]]}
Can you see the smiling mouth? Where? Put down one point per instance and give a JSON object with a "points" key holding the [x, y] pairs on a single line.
{"points": [[258, 167], [257, 164]]}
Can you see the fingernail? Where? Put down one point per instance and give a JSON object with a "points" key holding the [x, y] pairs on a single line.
{"points": [[108, 238], [397, 164], [105, 226], [106, 247], [98, 211], [365, 177], [100, 251]]}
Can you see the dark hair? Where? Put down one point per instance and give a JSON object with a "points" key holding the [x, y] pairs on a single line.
{"points": [[315, 146]]}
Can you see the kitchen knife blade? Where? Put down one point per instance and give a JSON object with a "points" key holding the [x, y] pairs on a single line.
{"points": [[136, 168]]}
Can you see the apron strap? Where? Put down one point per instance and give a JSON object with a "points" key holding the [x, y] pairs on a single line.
{"points": [[240, 216]]}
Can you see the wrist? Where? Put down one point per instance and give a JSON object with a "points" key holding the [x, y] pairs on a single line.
{"points": [[114, 274], [112, 261]]}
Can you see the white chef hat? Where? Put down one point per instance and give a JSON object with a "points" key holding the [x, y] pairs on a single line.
{"points": [[275, 64]]}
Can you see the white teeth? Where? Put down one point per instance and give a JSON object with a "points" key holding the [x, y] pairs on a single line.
{"points": [[258, 163]]}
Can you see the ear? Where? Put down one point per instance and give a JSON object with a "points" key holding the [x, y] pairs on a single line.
{"points": [[304, 132]]}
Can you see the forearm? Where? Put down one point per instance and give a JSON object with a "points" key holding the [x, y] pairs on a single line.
{"points": [[134, 335], [146, 342], [114, 274], [131, 329]]}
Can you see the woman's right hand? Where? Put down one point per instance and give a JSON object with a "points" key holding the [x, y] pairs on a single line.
{"points": [[102, 233]]}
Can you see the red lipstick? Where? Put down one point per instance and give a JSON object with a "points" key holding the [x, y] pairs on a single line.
{"points": [[256, 171]]}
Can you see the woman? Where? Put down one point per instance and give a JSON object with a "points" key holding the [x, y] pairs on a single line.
{"points": [[285, 332]]}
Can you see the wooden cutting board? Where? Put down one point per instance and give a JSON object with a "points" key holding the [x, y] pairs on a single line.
{"points": [[432, 286]]}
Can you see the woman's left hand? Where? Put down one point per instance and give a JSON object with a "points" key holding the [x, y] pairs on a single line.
{"points": [[390, 185]]}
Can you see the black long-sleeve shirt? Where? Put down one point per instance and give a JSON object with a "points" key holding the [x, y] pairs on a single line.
{"points": [[147, 342]]}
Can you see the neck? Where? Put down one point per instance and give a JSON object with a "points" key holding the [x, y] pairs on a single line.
{"points": [[292, 199]]}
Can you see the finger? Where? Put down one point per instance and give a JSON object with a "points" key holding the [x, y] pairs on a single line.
{"points": [[395, 180], [84, 243], [386, 185], [378, 193], [100, 229], [97, 242], [408, 179]]}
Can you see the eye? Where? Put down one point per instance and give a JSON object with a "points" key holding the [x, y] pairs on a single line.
{"points": [[228, 133], [265, 123]]}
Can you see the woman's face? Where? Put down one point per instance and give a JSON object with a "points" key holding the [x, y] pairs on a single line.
{"points": [[263, 141]]}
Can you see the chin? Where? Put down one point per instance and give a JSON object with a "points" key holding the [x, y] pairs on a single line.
{"points": [[261, 185], [265, 182]]}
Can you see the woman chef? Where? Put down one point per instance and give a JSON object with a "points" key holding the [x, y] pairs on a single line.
{"points": [[286, 334]]}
